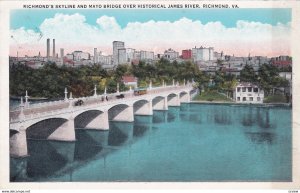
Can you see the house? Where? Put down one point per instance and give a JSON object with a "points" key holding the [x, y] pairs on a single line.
{"points": [[248, 93], [130, 81]]}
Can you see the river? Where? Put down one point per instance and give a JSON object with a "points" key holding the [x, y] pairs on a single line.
{"points": [[193, 142]]}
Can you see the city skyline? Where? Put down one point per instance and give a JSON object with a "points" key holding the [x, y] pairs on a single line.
{"points": [[182, 32]]}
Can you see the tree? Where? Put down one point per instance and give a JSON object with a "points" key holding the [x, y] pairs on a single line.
{"points": [[269, 79], [247, 74]]}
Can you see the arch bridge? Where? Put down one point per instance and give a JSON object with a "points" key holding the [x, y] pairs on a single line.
{"points": [[58, 120]]}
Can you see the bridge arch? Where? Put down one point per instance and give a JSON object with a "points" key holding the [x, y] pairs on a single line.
{"points": [[184, 96], [160, 103], [173, 99], [121, 112], [44, 128], [91, 119], [142, 107]]}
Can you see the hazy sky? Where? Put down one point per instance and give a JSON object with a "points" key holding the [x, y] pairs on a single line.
{"points": [[263, 32]]}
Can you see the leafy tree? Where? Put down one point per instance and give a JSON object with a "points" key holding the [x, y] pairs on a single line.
{"points": [[247, 74]]}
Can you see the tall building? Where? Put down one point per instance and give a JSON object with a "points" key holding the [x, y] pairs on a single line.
{"points": [[203, 54], [122, 57], [130, 54], [61, 53], [95, 56], [53, 53], [116, 46], [48, 48]]}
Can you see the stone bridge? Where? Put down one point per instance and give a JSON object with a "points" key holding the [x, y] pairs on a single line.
{"points": [[57, 120]]}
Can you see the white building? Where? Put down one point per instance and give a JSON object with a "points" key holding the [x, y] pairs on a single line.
{"points": [[171, 54], [70, 56], [130, 54], [79, 55], [219, 56], [137, 55], [116, 46], [105, 61], [147, 55], [203, 54], [248, 93], [130, 81], [122, 56]]}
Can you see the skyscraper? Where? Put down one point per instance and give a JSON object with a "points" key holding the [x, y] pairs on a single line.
{"points": [[116, 46], [61, 53], [95, 56], [53, 54], [48, 48]]}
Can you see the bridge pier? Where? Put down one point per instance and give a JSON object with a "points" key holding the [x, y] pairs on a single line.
{"points": [[146, 109], [66, 132], [100, 122], [126, 115], [174, 101], [18, 144]]}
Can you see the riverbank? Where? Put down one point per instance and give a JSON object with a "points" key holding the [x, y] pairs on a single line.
{"points": [[242, 104]]}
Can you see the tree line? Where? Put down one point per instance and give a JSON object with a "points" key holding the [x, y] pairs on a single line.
{"points": [[50, 80]]}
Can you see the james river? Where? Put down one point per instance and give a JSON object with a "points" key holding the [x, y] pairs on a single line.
{"points": [[194, 142]]}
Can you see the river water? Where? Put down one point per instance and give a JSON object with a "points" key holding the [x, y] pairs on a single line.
{"points": [[193, 142]]}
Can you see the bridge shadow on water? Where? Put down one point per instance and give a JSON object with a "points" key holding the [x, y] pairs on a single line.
{"points": [[45, 159]]}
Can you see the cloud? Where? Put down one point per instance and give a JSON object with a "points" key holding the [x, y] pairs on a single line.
{"points": [[73, 32]]}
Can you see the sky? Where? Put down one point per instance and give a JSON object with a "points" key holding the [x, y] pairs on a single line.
{"points": [[264, 32]]}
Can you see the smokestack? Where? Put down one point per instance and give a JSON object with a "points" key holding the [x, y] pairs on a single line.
{"points": [[48, 48], [53, 48]]}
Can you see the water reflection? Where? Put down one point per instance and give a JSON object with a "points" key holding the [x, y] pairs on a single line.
{"points": [[48, 157], [85, 151], [173, 114], [221, 116], [247, 119], [140, 130], [89, 143], [160, 116], [18, 169], [261, 137], [120, 133], [92, 137], [263, 116]]}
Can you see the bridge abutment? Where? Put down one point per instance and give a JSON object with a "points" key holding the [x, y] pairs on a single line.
{"points": [[66, 132], [18, 144]]}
